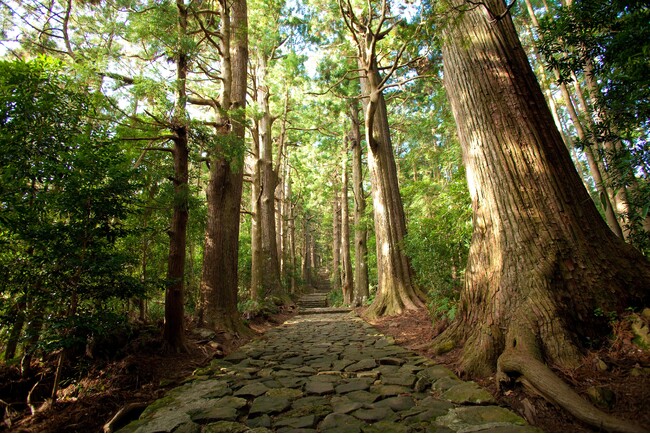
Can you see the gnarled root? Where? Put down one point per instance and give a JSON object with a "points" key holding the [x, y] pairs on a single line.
{"points": [[527, 364]]}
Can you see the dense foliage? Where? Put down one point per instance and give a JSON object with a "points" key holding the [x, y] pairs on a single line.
{"points": [[66, 191]]}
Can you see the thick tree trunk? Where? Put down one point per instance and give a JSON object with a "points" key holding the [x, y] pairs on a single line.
{"points": [[542, 260], [361, 292], [346, 264], [174, 330], [596, 173], [396, 290], [224, 192]]}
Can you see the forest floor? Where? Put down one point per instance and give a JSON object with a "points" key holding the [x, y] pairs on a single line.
{"points": [[140, 376], [144, 374], [623, 369]]}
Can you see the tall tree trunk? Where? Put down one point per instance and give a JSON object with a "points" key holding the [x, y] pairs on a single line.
{"points": [[596, 173], [542, 260], [396, 290], [361, 291], [224, 191], [174, 330], [292, 249], [18, 319], [256, 227], [271, 282], [335, 276], [305, 270], [346, 263]]}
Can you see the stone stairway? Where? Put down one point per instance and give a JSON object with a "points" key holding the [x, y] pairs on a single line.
{"points": [[326, 373], [315, 301]]}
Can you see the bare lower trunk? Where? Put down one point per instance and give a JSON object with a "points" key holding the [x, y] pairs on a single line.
{"points": [[346, 264], [219, 281], [256, 230], [542, 260], [396, 291], [305, 271], [18, 315], [361, 292], [336, 241], [270, 264], [174, 330]]}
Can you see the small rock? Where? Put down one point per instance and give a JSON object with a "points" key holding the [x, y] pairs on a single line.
{"points": [[236, 357], [445, 383], [353, 385], [386, 390], [601, 396], [385, 426], [260, 421], [269, 405], [338, 422], [394, 361], [362, 365], [468, 393], [397, 403], [287, 393], [421, 385], [345, 405], [231, 401], [204, 333], [437, 372], [374, 414], [308, 421], [319, 388], [363, 397], [291, 381], [224, 426], [310, 401], [368, 374], [400, 380], [215, 414], [252, 390]]}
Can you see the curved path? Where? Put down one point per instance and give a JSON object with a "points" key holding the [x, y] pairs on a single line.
{"points": [[327, 372]]}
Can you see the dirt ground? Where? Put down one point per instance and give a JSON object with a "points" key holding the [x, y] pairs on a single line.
{"points": [[144, 374], [139, 378], [622, 362]]}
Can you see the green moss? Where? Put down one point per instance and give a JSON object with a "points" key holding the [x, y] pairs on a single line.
{"points": [[163, 402]]}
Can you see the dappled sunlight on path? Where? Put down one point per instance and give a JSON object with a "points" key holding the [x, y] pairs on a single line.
{"points": [[327, 372]]}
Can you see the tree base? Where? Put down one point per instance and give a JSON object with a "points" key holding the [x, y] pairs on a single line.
{"points": [[395, 302]]}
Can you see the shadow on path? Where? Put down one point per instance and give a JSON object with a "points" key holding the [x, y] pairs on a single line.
{"points": [[329, 372]]}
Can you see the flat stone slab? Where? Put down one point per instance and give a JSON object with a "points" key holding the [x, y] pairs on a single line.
{"points": [[319, 388], [329, 372], [269, 405]]}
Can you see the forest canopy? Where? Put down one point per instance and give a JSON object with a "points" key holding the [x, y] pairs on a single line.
{"points": [[198, 163]]}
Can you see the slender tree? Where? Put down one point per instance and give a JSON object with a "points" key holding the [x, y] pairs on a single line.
{"points": [[347, 284], [396, 290], [542, 259], [361, 291]]}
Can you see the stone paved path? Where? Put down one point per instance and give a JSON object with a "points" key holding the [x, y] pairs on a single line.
{"points": [[326, 373]]}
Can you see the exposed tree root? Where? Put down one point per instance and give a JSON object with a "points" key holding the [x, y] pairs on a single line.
{"points": [[551, 387], [390, 303]]}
